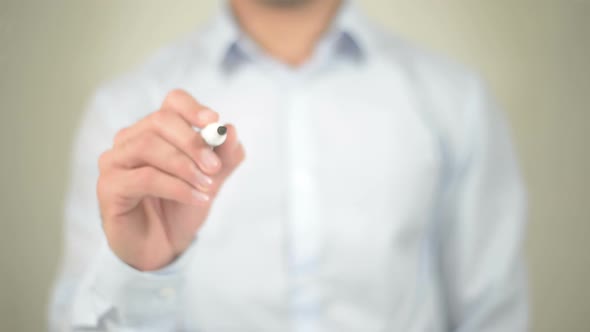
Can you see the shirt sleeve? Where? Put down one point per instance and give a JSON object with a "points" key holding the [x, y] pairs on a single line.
{"points": [[483, 227], [94, 290], [114, 296]]}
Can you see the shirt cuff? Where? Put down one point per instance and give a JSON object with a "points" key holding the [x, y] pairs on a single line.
{"points": [[135, 298]]}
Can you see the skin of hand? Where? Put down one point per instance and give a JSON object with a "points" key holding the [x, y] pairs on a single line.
{"points": [[159, 179]]}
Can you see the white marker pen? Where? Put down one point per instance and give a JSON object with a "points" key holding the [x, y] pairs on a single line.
{"points": [[214, 134]]}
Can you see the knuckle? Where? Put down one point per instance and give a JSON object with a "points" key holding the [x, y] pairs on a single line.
{"points": [[120, 135], [158, 119], [145, 175], [100, 186], [173, 95], [191, 140], [105, 188], [104, 160], [145, 141], [181, 166], [174, 163]]}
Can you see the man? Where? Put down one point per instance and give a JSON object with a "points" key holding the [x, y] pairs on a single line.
{"points": [[364, 186]]}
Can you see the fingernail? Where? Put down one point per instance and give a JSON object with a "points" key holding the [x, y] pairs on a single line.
{"points": [[209, 159], [202, 181], [200, 197]]}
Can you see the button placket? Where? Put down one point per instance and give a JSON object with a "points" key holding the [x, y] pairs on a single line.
{"points": [[303, 209]]}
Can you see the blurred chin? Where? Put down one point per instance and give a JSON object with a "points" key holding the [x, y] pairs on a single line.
{"points": [[284, 3]]}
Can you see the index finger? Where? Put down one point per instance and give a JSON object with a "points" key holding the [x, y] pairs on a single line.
{"points": [[182, 103]]}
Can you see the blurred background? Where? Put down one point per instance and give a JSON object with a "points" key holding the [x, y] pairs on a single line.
{"points": [[534, 53]]}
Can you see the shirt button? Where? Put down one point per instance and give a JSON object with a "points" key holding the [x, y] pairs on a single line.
{"points": [[168, 293]]}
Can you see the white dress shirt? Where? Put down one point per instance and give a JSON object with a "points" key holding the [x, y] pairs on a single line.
{"points": [[380, 193]]}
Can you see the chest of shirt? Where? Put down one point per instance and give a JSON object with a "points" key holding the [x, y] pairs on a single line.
{"points": [[359, 146], [366, 159]]}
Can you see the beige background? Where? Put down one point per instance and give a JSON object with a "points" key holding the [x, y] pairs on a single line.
{"points": [[534, 53]]}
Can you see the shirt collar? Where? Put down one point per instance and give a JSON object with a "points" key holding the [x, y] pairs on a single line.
{"points": [[352, 26], [228, 46]]}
